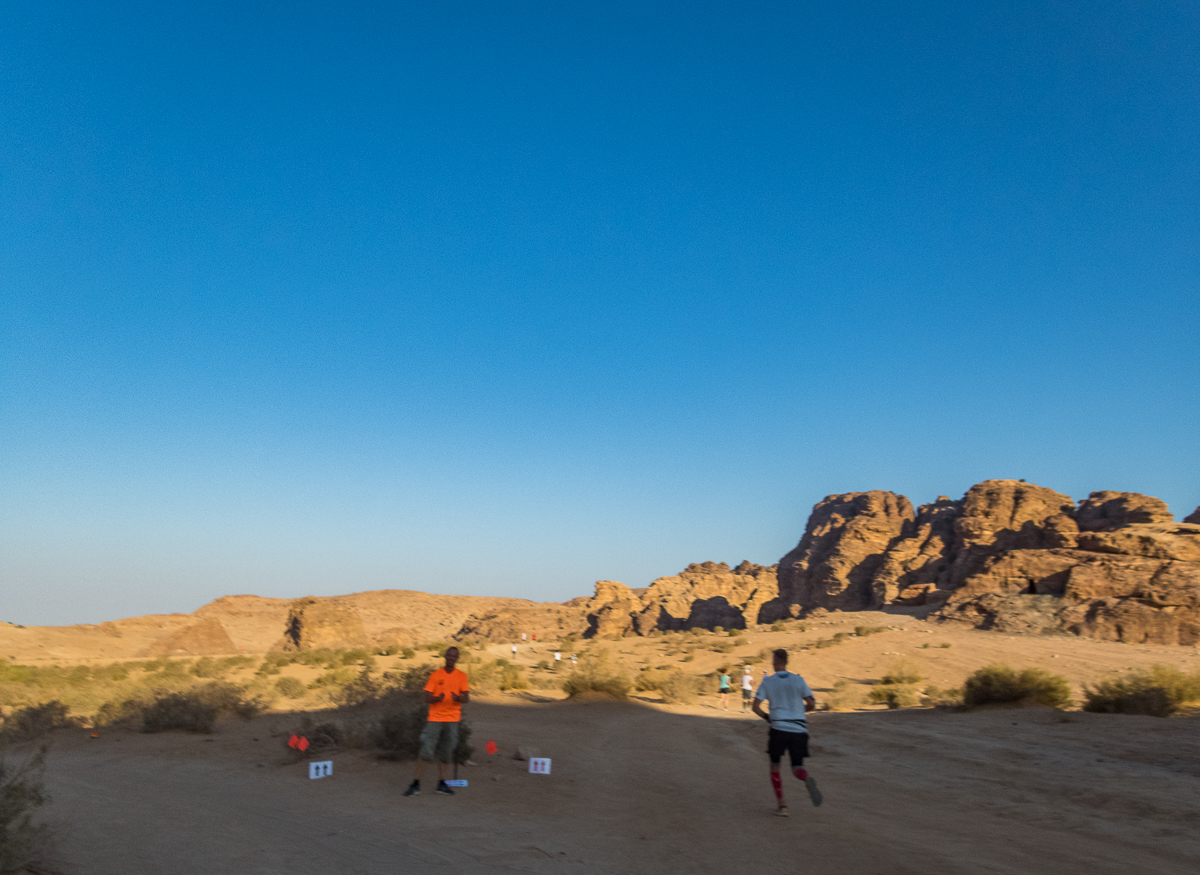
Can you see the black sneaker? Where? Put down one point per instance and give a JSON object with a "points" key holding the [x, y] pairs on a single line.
{"points": [[444, 789], [414, 789]]}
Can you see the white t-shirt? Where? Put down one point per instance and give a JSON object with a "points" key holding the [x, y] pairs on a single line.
{"points": [[786, 692], [747, 681]]}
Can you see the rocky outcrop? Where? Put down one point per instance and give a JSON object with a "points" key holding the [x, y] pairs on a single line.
{"points": [[1105, 511], [917, 559], [1193, 517], [315, 623], [842, 550], [205, 638]]}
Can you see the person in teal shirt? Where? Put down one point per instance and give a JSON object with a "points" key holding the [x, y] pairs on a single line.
{"points": [[724, 692]]}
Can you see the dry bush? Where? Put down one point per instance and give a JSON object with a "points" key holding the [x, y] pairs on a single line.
{"points": [[680, 688], [1158, 691], [1001, 685], [398, 731], [595, 674], [895, 695], [939, 698], [864, 631], [34, 721], [291, 687], [902, 671], [197, 709], [845, 697], [24, 843], [357, 690], [499, 674]]}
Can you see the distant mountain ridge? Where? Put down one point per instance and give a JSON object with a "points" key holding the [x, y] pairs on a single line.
{"points": [[1008, 555]]}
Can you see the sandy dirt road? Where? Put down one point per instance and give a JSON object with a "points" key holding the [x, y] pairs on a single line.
{"points": [[640, 789]]}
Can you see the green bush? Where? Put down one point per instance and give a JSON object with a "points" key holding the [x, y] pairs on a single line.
{"points": [[23, 842], [292, 688], [1158, 691], [1001, 685], [407, 652], [733, 633], [897, 695], [595, 674], [940, 698], [864, 631], [778, 626]]}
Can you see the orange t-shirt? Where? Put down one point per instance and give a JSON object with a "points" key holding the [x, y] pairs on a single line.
{"points": [[447, 710]]}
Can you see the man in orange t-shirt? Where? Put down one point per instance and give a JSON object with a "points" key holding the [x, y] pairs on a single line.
{"points": [[445, 693]]}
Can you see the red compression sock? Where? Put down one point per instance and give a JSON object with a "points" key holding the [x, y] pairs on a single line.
{"points": [[777, 786], [802, 774]]}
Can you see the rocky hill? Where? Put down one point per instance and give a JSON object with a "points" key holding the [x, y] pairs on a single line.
{"points": [[1008, 555]]}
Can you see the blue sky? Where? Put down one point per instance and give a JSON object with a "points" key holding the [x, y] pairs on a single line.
{"points": [[503, 299]]}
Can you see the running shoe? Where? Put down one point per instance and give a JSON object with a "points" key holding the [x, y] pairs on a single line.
{"points": [[414, 789], [781, 811], [444, 789], [813, 793]]}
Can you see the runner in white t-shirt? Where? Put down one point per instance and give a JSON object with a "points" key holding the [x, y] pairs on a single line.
{"points": [[791, 700], [747, 688]]}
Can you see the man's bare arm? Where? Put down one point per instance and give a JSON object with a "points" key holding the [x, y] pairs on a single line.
{"points": [[431, 699], [810, 704], [462, 698], [757, 708]]}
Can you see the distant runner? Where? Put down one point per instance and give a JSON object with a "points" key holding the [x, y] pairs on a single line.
{"points": [[747, 688], [724, 695], [790, 699], [440, 735]]}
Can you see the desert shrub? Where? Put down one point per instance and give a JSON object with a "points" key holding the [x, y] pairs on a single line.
{"points": [[205, 667], [845, 697], [359, 689], [499, 674], [778, 626], [411, 680], [864, 631], [898, 695], [751, 658], [902, 672], [398, 732], [23, 842], [35, 721], [407, 652], [940, 698], [724, 646], [293, 688], [733, 633], [179, 711], [543, 665], [680, 687], [944, 645], [649, 679], [273, 663], [390, 650], [1158, 691], [688, 657], [437, 647], [334, 678], [1001, 685], [196, 710], [718, 630], [595, 674]]}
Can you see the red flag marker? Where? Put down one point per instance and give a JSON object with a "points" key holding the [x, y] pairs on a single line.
{"points": [[294, 741], [303, 745], [491, 747]]}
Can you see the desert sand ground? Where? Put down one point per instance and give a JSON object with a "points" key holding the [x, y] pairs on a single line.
{"points": [[645, 787], [638, 788]]}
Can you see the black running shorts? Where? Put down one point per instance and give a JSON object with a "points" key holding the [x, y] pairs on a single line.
{"points": [[795, 743]]}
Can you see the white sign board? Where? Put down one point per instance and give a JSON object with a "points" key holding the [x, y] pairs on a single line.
{"points": [[457, 782], [322, 769], [539, 765]]}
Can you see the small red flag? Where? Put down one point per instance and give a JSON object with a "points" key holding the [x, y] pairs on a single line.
{"points": [[491, 747], [294, 741], [303, 745]]}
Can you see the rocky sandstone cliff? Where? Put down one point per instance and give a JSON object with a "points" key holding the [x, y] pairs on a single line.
{"points": [[1008, 555]]}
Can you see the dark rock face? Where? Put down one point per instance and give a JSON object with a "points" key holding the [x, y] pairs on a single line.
{"points": [[314, 623], [1193, 517], [842, 550]]}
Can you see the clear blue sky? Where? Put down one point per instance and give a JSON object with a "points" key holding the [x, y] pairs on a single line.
{"points": [[505, 298]]}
